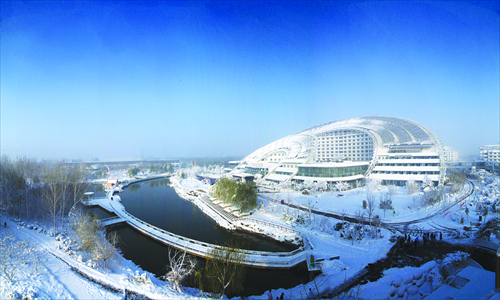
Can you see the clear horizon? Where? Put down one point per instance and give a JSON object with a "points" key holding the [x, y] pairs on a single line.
{"points": [[116, 80]]}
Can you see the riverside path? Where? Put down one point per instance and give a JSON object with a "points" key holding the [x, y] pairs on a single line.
{"points": [[257, 259]]}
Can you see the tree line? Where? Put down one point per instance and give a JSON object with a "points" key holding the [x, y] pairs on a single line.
{"points": [[43, 190]]}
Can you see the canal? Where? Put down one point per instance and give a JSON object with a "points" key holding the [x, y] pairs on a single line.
{"points": [[158, 204]]}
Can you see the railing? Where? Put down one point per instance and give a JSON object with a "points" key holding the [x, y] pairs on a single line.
{"points": [[286, 228], [149, 177], [254, 258], [111, 221]]}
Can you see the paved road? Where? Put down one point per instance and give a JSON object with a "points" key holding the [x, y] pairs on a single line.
{"points": [[393, 226]]}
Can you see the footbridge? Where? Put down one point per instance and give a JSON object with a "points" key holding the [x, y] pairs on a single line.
{"points": [[257, 259]]}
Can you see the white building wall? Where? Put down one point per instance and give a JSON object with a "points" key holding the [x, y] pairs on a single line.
{"points": [[347, 144], [450, 155], [490, 152]]}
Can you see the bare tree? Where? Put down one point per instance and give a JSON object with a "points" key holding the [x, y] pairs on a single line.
{"points": [[13, 254], [64, 185], [180, 267], [8, 268], [377, 223], [370, 199], [105, 246], [224, 270], [392, 189], [360, 217], [52, 192], [26, 168], [78, 177], [385, 202], [310, 207], [10, 183], [37, 258], [288, 201], [86, 229]]}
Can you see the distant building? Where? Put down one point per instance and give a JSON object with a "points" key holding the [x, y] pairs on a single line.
{"points": [[390, 149], [450, 155], [112, 182], [490, 153]]}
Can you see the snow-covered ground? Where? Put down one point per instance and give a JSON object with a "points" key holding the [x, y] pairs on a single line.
{"points": [[63, 274], [354, 256], [61, 270]]}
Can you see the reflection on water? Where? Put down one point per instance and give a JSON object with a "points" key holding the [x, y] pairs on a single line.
{"points": [[152, 256], [134, 187], [158, 204]]}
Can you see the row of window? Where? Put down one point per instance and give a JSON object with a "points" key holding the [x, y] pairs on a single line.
{"points": [[408, 157], [332, 172], [407, 172], [329, 159], [342, 151], [342, 147], [408, 165], [350, 144]]}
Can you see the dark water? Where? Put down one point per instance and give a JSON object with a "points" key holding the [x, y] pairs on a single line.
{"points": [[152, 256], [158, 204]]}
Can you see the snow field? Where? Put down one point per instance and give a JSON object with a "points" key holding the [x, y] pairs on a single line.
{"points": [[66, 274], [406, 283], [62, 269]]}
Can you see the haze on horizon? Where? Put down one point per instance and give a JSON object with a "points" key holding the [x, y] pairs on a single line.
{"points": [[168, 79]]}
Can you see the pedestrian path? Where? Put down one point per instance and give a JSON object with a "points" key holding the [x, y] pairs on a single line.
{"points": [[260, 259]]}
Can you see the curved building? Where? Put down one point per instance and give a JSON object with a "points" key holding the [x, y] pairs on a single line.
{"points": [[391, 149]]}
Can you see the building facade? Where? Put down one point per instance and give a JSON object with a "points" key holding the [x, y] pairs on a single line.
{"points": [[490, 153], [450, 155], [390, 149]]}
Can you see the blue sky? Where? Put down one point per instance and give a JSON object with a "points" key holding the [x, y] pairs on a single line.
{"points": [[175, 79]]}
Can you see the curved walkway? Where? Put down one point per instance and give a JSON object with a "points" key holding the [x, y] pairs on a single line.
{"points": [[399, 226], [259, 259]]}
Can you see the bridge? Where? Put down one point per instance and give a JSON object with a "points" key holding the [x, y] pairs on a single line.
{"points": [[256, 259]]}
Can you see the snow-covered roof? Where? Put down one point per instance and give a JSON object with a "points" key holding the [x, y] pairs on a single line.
{"points": [[277, 177], [385, 131]]}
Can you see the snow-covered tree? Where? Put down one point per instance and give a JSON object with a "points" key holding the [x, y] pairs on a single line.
{"points": [[373, 184], [13, 254], [342, 186], [180, 266], [322, 186], [105, 246], [392, 190], [427, 183], [308, 184], [412, 187], [86, 228]]}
